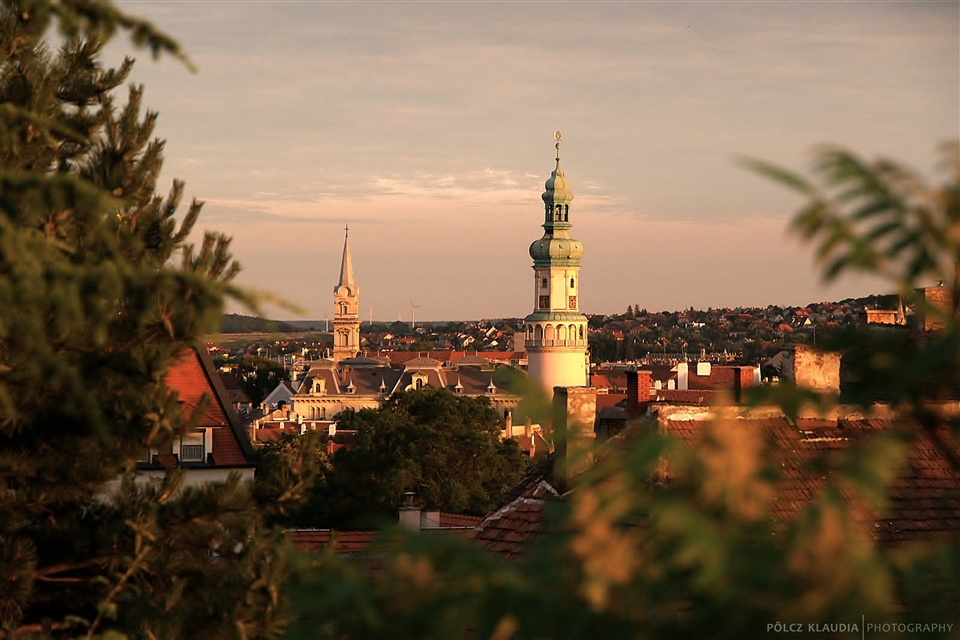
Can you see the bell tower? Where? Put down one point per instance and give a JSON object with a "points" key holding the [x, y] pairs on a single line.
{"points": [[555, 333], [346, 308]]}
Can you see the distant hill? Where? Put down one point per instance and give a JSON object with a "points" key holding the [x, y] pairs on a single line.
{"points": [[236, 323]]}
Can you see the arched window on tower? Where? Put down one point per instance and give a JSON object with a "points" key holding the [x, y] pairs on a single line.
{"points": [[572, 284], [566, 213]]}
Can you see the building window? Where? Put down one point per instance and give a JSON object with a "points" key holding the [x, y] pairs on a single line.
{"points": [[544, 302], [543, 283], [571, 284], [573, 302], [191, 447]]}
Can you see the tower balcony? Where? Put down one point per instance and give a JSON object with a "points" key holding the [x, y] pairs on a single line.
{"points": [[541, 343]]}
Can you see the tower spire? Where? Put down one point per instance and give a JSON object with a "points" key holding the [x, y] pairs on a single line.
{"points": [[346, 308], [346, 264]]}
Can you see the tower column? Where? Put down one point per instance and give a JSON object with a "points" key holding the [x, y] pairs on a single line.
{"points": [[556, 331]]}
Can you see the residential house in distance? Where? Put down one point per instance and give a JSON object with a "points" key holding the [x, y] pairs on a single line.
{"points": [[217, 446]]}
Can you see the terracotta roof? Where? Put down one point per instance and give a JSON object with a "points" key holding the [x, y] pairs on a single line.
{"points": [[226, 451], [684, 396], [507, 530], [344, 542], [187, 378], [449, 520], [519, 516], [923, 500], [193, 378], [606, 400]]}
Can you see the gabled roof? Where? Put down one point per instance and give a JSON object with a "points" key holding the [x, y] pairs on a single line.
{"points": [[194, 379], [519, 515]]}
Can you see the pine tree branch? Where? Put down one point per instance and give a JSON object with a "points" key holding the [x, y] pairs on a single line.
{"points": [[43, 574]]}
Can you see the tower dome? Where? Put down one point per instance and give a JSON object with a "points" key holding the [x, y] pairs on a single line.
{"points": [[557, 186], [556, 250]]}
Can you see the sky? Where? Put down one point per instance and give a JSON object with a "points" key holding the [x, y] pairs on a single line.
{"points": [[428, 128]]}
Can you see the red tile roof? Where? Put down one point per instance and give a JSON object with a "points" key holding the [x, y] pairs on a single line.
{"points": [[187, 378], [923, 500], [193, 378], [312, 540], [507, 530], [519, 516]]}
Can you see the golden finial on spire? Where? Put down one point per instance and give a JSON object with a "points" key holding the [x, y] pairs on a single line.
{"points": [[558, 137]]}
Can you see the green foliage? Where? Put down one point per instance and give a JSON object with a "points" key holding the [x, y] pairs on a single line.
{"points": [[444, 447], [260, 376], [100, 289], [288, 469]]}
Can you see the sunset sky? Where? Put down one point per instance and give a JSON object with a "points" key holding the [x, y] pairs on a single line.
{"points": [[428, 128]]}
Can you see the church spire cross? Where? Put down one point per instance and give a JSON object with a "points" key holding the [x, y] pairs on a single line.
{"points": [[346, 265], [558, 137]]}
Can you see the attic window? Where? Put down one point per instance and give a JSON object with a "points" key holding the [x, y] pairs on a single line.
{"points": [[192, 447]]}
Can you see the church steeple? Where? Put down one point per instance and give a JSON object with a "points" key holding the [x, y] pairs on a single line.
{"points": [[556, 331], [346, 308], [346, 264]]}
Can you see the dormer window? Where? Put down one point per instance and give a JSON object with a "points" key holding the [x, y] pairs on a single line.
{"points": [[192, 447]]}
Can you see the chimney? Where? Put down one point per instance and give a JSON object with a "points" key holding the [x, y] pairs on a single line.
{"points": [[683, 376], [576, 408], [638, 392], [818, 371], [409, 513], [508, 421]]}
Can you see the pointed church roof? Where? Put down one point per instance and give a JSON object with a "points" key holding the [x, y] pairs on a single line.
{"points": [[346, 264]]}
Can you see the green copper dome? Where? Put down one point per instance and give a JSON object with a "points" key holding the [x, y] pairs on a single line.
{"points": [[556, 250]]}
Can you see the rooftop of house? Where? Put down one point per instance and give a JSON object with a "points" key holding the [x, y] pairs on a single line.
{"points": [[193, 378]]}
